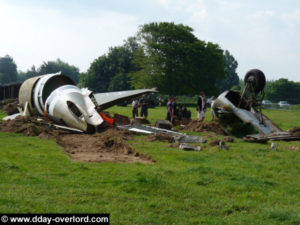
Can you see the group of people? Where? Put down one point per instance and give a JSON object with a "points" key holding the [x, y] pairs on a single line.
{"points": [[202, 105], [172, 111], [143, 103]]}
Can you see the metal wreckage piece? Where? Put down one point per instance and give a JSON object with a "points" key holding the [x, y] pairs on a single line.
{"points": [[176, 136], [247, 108], [57, 96]]}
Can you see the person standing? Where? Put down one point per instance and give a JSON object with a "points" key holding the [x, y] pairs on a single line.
{"points": [[169, 108], [174, 109], [144, 107], [212, 111], [135, 106], [201, 107]]}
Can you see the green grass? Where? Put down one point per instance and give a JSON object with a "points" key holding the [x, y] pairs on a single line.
{"points": [[248, 184]]}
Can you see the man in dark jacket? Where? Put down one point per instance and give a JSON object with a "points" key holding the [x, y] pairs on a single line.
{"points": [[144, 107]]}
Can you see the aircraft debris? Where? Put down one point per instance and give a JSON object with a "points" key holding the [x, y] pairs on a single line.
{"points": [[231, 107], [223, 146], [274, 146], [57, 97], [187, 147], [177, 137]]}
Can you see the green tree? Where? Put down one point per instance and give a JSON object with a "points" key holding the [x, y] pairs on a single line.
{"points": [[32, 72], [175, 61], [284, 90], [59, 65], [8, 70], [231, 78], [109, 72]]}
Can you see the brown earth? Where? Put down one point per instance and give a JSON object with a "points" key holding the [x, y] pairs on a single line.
{"points": [[295, 131], [205, 126], [108, 146], [295, 147], [159, 137], [228, 139], [10, 108]]}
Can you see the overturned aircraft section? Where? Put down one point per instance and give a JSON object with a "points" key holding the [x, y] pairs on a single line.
{"points": [[57, 96], [231, 107]]}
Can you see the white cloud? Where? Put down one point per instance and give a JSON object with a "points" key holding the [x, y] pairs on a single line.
{"points": [[32, 35]]}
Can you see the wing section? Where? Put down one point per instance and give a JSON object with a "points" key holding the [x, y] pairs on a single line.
{"points": [[108, 99]]}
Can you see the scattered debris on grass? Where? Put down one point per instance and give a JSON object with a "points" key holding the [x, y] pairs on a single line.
{"points": [[223, 146], [164, 124], [274, 146], [277, 136], [187, 147]]}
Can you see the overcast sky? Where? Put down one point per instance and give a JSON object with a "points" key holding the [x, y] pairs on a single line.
{"points": [[259, 34]]}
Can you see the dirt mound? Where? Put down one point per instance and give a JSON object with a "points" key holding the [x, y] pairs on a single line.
{"points": [[295, 131], [228, 139], [204, 126], [11, 108], [107, 146], [29, 126], [121, 120], [159, 137], [295, 148]]}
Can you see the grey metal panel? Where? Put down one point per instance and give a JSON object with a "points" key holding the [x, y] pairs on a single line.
{"points": [[106, 100]]}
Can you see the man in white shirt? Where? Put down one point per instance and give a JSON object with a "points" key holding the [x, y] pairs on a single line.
{"points": [[201, 107], [135, 106]]}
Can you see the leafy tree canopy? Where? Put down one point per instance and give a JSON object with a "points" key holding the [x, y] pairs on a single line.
{"points": [[56, 66], [8, 70], [109, 72], [231, 78], [283, 90], [172, 59]]}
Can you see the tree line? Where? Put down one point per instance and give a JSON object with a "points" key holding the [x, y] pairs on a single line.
{"points": [[163, 55]]}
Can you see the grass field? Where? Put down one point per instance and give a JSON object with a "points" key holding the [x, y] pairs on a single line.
{"points": [[248, 184]]}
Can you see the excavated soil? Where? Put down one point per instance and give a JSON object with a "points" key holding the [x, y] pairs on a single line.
{"points": [[108, 146], [159, 137], [205, 126], [295, 131], [9, 106]]}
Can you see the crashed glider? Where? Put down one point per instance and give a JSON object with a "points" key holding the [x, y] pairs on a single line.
{"points": [[56, 96]]}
